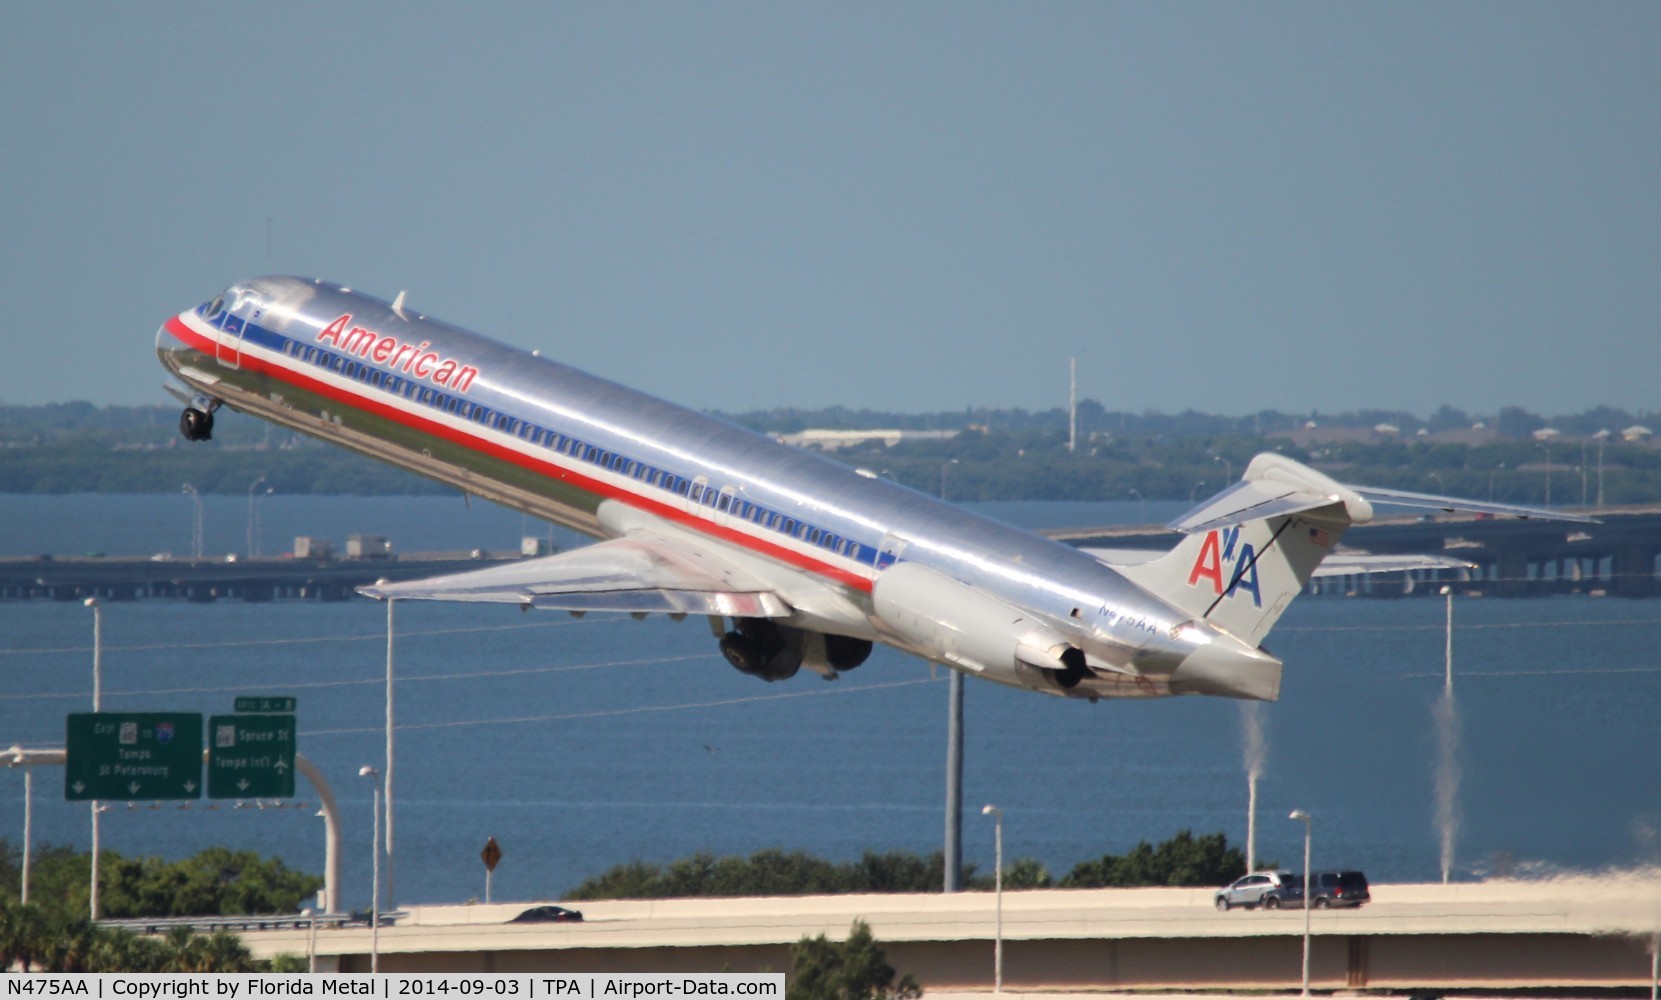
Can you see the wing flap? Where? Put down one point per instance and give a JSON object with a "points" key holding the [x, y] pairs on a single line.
{"points": [[639, 573]]}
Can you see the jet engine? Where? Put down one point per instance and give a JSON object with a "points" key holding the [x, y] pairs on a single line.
{"points": [[761, 648], [949, 621]]}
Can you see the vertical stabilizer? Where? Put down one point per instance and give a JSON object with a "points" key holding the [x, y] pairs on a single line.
{"points": [[1253, 547]]}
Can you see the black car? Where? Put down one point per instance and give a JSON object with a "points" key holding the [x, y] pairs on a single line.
{"points": [[545, 914], [1339, 889]]}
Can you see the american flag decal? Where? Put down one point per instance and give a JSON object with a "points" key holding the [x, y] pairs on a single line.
{"points": [[1319, 537]]}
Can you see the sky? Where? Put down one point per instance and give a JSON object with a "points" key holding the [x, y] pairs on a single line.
{"points": [[909, 207]]}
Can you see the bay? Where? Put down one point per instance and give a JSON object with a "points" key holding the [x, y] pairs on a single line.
{"points": [[580, 744]]}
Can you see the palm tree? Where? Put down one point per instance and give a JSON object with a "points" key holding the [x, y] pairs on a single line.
{"points": [[119, 950], [226, 953], [66, 943], [183, 951], [20, 933]]}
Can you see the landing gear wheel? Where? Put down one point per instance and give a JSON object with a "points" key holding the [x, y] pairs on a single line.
{"points": [[196, 425], [744, 653]]}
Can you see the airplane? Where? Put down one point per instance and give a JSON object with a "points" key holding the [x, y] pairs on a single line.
{"points": [[794, 559]]}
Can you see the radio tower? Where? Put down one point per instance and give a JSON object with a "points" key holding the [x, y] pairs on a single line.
{"points": [[1072, 405]]}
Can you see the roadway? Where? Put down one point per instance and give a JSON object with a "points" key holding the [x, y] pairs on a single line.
{"points": [[1572, 932]]}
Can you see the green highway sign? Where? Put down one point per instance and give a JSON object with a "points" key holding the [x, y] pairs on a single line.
{"points": [[264, 703], [250, 756], [133, 755]]}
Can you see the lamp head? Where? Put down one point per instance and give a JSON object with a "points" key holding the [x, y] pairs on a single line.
{"points": [[368, 772], [991, 810], [1300, 815]]}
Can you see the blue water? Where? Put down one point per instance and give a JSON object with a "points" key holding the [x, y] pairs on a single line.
{"points": [[580, 744]]}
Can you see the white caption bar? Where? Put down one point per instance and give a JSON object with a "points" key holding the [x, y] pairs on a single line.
{"points": [[395, 986]]}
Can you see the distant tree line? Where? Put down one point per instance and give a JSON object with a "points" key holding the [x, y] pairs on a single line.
{"points": [[1183, 860], [995, 454], [53, 934]]}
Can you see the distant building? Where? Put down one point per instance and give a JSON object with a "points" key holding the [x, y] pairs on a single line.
{"points": [[830, 440], [1311, 434]]}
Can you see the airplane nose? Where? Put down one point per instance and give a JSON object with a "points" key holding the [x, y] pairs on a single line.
{"points": [[1229, 668]]}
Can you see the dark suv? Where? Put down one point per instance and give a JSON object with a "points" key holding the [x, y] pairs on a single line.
{"points": [[1339, 889]]}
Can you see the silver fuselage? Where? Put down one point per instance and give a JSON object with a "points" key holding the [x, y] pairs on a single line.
{"points": [[543, 438]]}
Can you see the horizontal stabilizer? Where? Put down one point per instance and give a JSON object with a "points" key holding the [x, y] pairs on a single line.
{"points": [[1430, 501], [639, 573], [1273, 486], [1245, 501]]}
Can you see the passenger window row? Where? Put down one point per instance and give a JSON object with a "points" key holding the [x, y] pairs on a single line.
{"points": [[695, 492]]}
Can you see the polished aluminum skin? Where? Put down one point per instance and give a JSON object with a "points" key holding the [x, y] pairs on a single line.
{"points": [[504, 423]]}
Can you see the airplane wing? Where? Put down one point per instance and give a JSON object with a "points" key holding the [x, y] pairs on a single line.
{"points": [[637, 574], [1337, 564]]}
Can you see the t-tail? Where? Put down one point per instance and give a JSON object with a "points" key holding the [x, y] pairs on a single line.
{"points": [[1255, 546]]}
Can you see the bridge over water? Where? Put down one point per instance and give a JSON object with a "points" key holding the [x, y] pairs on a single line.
{"points": [[1514, 558]]}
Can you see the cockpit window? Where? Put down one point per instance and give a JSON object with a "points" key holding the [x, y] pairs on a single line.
{"points": [[214, 308]]}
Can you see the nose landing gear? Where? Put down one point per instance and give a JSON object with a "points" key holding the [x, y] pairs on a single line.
{"points": [[196, 423]]}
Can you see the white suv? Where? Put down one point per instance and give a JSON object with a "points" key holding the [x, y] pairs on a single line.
{"points": [[1270, 890]]}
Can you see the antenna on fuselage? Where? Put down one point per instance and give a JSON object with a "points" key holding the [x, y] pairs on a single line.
{"points": [[398, 305]]}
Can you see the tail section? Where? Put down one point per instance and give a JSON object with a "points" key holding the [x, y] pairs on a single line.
{"points": [[1253, 547]]}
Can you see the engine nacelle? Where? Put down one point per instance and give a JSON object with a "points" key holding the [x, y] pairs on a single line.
{"points": [[949, 621]]}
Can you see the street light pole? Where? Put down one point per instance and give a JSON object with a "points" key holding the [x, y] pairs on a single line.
{"points": [[389, 866], [1447, 649], [97, 706], [375, 885], [1308, 822], [954, 782], [998, 891], [1447, 776], [953, 853], [18, 759], [28, 824]]}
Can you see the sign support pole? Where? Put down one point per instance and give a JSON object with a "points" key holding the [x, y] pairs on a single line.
{"points": [[97, 706], [388, 777]]}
